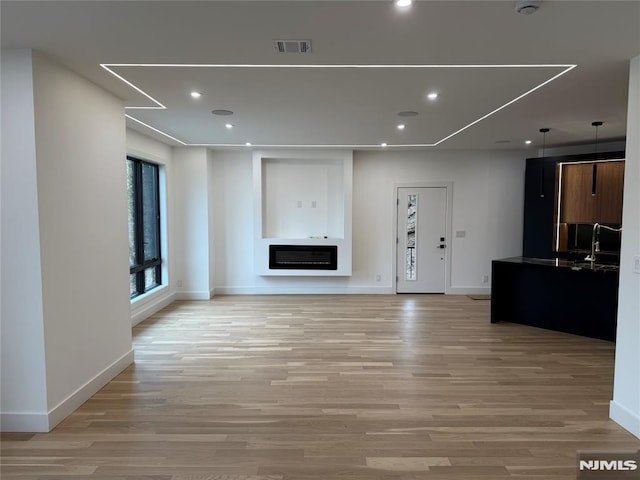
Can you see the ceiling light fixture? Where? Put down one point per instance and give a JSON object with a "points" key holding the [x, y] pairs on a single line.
{"points": [[196, 94], [401, 127], [527, 7], [528, 142], [432, 96], [228, 126], [596, 125], [383, 144], [248, 144], [403, 3]]}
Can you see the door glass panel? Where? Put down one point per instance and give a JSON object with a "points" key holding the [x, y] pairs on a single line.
{"points": [[412, 210]]}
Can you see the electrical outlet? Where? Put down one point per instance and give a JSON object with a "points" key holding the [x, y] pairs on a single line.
{"points": [[485, 278], [313, 204], [378, 277], [299, 204], [179, 283], [636, 264]]}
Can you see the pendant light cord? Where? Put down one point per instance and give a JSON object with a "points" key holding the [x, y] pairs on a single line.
{"points": [[596, 125]]}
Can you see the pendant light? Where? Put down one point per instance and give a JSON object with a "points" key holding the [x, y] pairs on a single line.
{"points": [[596, 125], [594, 171], [543, 131]]}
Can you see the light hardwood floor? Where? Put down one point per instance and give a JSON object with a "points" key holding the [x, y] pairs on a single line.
{"points": [[336, 387]]}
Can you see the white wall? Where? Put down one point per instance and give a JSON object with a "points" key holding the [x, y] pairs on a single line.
{"points": [[23, 374], [488, 190], [191, 222], [79, 168], [232, 202], [147, 148], [210, 220], [625, 407], [80, 151]]}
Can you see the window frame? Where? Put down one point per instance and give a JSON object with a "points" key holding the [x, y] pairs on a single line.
{"points": [[141, 264]]}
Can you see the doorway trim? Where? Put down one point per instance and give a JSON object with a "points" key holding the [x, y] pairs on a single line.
{"points": [[448, 230]]}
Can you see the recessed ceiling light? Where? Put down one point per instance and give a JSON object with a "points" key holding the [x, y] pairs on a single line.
{"points": [[223, 113], [248, 144], [196, 94], [432, 96], [383, 144], [403, 3], [400, 127], [528, 142], [228, 125]]}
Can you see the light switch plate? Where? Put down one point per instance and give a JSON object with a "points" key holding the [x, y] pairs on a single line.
{"points": [[461, 233], [636, 264]]}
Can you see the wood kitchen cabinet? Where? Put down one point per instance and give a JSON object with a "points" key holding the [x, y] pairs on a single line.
{"points": [[578, 203], [592, 192], [609, 192], [540, 203]]}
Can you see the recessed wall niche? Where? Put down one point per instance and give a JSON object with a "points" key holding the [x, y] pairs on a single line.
{"points": [[302, 198]]}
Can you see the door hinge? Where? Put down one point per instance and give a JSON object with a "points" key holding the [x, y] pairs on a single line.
{"points": [[397, 201], [397, 240], [397, 279]]}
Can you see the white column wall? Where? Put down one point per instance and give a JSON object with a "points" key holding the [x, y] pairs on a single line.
{"points": [[82, 200], [625, 407], [191, 225], [67, 150], [23, 397]]}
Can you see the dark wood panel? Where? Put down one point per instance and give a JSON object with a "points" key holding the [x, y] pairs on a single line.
{"points": [[578, 202], [609, 192]]}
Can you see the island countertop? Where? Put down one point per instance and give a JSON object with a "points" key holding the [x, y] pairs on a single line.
{"points": [[556, 294]]}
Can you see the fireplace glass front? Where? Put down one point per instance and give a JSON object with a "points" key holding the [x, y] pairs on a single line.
{"points": [[303, 257]]}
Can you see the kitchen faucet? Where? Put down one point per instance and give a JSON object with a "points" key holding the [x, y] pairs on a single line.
{"points": [[595, 241]]}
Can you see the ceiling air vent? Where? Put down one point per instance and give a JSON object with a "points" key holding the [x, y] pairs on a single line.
{"points": [[292, 46]]}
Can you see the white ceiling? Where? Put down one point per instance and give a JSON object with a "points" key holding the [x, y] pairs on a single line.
{"points": [[498, 73]]}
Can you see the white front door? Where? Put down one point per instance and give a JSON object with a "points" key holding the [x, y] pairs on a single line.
{"points": [[421, 239]]}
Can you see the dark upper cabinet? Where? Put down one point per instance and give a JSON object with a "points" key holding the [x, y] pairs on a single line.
{"points": [[539, 193]]}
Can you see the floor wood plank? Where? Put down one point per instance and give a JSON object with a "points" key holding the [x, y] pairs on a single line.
{"points": [[336, 387]]}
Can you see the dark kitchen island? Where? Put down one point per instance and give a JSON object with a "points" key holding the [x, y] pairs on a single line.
{"points": [[556, 294]]}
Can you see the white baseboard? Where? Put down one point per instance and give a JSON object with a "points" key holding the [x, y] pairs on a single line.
{"points": [[24, 422], [314, 290], [148, 309], [45, 422], [469, 291], [196, 295], [624, 417]]}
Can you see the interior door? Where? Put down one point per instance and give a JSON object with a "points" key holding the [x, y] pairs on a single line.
{"points": [[421, 239]]}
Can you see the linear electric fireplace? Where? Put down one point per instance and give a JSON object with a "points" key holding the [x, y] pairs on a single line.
{"points": [[303, 257]]}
